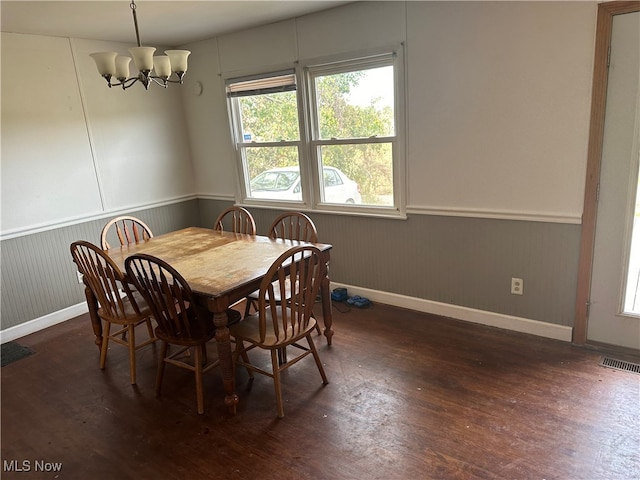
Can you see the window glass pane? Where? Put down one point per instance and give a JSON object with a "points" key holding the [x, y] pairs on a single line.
{"points": [[269, 118], [356, 104], [365, 171], [274, 173]]}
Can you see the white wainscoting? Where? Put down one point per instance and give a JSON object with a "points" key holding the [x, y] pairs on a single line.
{"points": [[507, 322], [41, 323], [492, 319]]}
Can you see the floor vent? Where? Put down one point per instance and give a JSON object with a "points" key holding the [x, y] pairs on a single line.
{"points": [[620, 365]]}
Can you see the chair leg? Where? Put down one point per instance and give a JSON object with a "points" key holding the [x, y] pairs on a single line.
{"points": [[160, 374], [247, 308], [312, 347], [132, 352], [317, 324], [149, 328], [240, 350], [204, 355], [198, 372], [276, 382], [282, 355], [105, 344], [245, 359]]}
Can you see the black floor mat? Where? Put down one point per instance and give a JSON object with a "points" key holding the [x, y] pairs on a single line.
{"points": [[12, 352]]}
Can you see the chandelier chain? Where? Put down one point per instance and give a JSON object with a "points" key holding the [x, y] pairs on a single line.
{"points": [[135, 20]]}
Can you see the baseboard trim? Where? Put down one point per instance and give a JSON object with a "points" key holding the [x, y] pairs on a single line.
{"points": [[499, 320], [507, 322], [32, 326]]}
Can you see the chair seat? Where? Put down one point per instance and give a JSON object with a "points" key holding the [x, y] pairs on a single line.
{"points": [[249, 330], [196, 334], [131, 316], [187, 340]]}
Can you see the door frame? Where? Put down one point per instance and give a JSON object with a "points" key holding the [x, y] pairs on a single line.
{"points": [[606, 12]]}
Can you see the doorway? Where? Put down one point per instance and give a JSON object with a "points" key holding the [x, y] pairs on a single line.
{"points": [[607, 268]]}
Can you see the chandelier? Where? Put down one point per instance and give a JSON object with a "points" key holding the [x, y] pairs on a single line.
{"points": [[111, 65]]}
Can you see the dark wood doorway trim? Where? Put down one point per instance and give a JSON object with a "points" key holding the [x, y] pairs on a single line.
{"points": [[606, 12]]}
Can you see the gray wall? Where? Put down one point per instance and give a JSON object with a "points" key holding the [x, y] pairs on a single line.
{"points": [[453, 260], [38, 275], [460, 261]]}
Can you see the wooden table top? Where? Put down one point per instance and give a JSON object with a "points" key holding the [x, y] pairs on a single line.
{"points": [[214, 263]]}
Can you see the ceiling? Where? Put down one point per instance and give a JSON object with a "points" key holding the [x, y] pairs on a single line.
{"points": [[169, 23]]}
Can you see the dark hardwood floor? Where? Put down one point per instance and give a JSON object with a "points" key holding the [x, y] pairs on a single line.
{"points": [[411, 396]]}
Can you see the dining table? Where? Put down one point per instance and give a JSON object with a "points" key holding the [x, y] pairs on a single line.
{"points": [[221, 268]]}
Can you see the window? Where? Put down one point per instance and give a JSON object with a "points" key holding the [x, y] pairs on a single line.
{"points": [[335, 149]]}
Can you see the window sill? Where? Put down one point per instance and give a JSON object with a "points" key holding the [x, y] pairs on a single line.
{"points": [[326, 209]]}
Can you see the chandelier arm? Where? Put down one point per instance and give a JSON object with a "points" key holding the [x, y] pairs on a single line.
{"points": [[159, 81], [124, 83], [162, 81], [129, 82]]}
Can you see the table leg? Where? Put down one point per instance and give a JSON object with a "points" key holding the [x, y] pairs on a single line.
{"points": [[325, 293], [96, 322], [223, 341]]}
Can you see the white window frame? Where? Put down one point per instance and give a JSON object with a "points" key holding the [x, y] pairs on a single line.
{"points": [[309, 141]]}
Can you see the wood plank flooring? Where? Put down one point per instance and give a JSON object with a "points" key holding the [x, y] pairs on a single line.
{"points": [[411, 396]]}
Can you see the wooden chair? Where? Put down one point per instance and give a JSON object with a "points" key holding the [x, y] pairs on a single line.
{"points": [[289, 226], [294, 226], [277, 325], [181, 321], [118, 303], [238, 219], [128, 230]]}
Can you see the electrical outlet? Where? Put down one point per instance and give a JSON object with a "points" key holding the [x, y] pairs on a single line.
{"points": [[80, 277], [517, 286]]}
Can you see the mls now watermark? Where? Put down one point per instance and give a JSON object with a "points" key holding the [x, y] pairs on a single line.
{"points": [[31, 466]]}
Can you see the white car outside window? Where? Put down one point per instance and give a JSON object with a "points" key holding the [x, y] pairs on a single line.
{"points": [[284, 184]]}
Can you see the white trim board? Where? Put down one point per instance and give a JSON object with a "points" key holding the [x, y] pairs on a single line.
{"points": [[568, 218], [507, 322], [32, 326], [30, 230], [483, 317]]}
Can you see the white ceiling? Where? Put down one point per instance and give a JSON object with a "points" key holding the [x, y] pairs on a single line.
{"points": [[168, 23]]}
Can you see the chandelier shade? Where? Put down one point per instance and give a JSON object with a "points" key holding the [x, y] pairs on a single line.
{"points": [[111, 65]]}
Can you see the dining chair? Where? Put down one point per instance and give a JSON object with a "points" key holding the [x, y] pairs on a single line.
{"points": [[294, 226], [288, 226], [237, 219], [278, 325], [181, 321], [119, 304], [128, 230]]}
